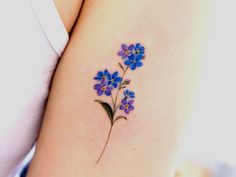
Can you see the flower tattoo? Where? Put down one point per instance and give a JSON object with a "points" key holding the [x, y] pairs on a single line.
{"points": [[103, 87], [129, 94], [114, 79], [111, 83], [126, 105], [126, 50]]}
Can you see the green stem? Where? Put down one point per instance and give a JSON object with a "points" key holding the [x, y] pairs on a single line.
{"points": [[113, 103], [115, 107], [119, 88], [104, 148]]}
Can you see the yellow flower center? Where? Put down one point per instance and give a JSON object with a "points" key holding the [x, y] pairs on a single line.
{"points": [[127, 52], [126, 106], [104, 88]]}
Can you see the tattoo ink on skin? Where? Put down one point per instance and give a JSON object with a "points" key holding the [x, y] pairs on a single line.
{"points": [[111, 84]]}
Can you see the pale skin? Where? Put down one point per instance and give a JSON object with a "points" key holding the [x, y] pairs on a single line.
{"points": [[75, 127], [69, 11]]}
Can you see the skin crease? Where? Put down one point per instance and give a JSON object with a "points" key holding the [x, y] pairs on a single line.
{"points": [[68, 11], [75, 127]]}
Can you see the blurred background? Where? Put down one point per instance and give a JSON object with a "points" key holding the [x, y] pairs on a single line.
{"points": [[210, 140], [209, 148]]}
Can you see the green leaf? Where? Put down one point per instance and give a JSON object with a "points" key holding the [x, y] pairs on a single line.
{"points": [[121, 66], [107, 109], [120, 117]]}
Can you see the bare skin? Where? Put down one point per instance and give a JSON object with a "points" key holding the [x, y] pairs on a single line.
{"points": [[69, 11], [75, 128]]}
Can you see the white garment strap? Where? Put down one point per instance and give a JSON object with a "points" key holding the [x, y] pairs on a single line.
{"points": [[51, 24]]}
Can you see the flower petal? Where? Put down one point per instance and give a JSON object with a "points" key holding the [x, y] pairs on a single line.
{"points": [[114, 84], [108, 77], [131, 57], [142, 49], [122, 107], [104, 82], [133, 66], [120, 53], [127, 62], [99, 92], [118, 79], [124, 47], [138, 45], [114, 75], [97, 86], [124, 101], [109, 83], [124, 56], [138, 57], [127, 111], [131, 107], [107, 74], [97, 78], [109, 88], [139, 64], [126, 92], [132, 95], [130, 102], [108, 92], [100, 73], [131, 47]]}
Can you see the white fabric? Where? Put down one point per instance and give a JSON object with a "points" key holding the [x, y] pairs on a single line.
{"points": [[32, 39]]}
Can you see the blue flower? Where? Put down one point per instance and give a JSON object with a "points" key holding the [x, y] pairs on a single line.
{"points": [[126, 105], [102, 75], [139, 49], [125, 50], [129, 94], [114, 79], [102, 88], [134, 61]]}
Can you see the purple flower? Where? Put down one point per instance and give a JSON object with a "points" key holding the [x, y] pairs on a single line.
{"points": [[129, 94], [102, 75], [103, 88], [114, 79], [126, 50], [127, 106], [134, 61]]}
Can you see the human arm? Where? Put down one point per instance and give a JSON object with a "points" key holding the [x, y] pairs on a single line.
{"points": [[75, 127]]}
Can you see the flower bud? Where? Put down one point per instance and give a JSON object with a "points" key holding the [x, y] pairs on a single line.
{"points": [[127, 81]]}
